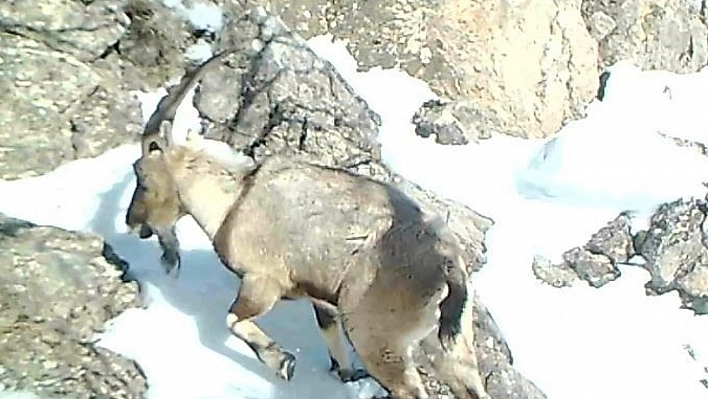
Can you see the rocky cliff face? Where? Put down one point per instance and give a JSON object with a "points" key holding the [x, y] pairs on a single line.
{"points": [[522, 68]]}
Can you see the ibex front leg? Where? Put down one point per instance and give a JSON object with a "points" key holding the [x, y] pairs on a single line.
{"points": [[258, 295]]}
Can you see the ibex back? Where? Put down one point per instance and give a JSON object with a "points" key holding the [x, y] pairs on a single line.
{"points": [[362, 251]]}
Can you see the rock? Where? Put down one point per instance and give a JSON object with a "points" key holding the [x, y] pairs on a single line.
{"points": [[596, 261], [155, 40], [523, 67], [613, 240], [288, 100], [495, 359], [674, 247], [652, 34], [433, 118], [67, 89], [82, 29], [683, 142], [600, 25], [102, 120], [556, 274], [450, 122], [57, 289], [596, 269], [57, 108], [41, 85]]}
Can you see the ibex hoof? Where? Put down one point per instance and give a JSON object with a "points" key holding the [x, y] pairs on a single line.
{"points": [[349, 375], [144, 231], [171, 264], [287, 366]]}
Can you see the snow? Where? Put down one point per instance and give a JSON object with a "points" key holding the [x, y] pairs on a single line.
{"points": [[201, 15], [545, 197], [17, 395]]}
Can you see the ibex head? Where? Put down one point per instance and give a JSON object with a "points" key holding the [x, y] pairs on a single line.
{"points": [[155, 206]]}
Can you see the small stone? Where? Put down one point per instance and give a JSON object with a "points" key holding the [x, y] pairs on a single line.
{"points": [[557, 275], [614, 240], [596, 269], [675, 253], [601, 25], [50, 364]]}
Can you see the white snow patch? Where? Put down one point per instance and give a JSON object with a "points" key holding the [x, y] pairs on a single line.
{"points": [[201, 15], [199, 52], [18, 395]]}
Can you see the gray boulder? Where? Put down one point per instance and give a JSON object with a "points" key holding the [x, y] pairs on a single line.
{"points": [[57, 289], [452, 123], [287, 99], [83, 29], [596, 269], [596, 261], [558, 275], [66, 72], [674, 247]]}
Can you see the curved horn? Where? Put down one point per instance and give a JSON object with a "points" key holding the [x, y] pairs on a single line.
{"points": [[157, 133]]}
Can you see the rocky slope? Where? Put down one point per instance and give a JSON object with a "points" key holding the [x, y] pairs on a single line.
{"points": [[57, 289]]}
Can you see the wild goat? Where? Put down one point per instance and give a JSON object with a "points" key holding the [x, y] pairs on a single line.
{"points": [[362, 251]]}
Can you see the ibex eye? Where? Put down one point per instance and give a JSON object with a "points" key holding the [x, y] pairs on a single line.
{"points": [[153, 147]]}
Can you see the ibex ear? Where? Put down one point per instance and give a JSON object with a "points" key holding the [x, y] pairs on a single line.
{"points": [[194, 139], [193, 136]]}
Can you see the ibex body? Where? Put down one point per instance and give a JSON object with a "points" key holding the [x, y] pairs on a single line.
{"points": [[359, 249]]}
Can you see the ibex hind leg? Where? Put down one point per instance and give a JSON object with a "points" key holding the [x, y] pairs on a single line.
{"points": [[463, 357], [328, 320], [384, 341], [393, 367], [459, 373], [257, 296], [458, 367]]}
